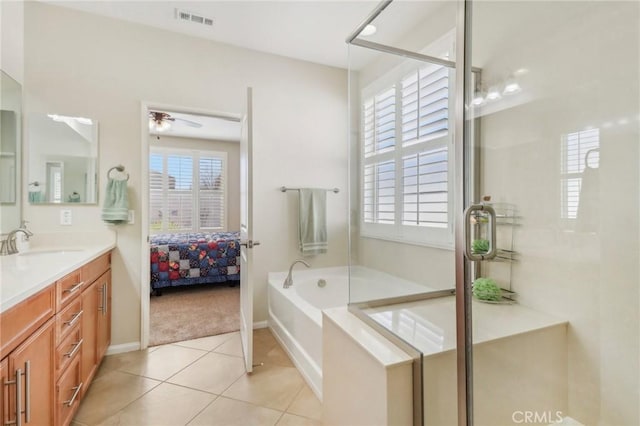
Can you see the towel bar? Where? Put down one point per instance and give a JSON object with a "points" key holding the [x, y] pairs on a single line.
{"points": [[285, 189]]}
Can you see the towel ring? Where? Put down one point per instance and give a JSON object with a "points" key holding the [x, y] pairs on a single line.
{"points": [[119, 168]]}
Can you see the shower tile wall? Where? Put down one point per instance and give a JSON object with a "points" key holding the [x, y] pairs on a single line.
{"points": [[577, 64]]}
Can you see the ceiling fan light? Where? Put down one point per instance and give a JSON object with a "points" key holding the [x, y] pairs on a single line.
{"points": [[163, 126], [159, 125]]}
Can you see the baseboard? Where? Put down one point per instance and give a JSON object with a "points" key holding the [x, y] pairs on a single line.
{"points": [[122, 348], [260, 324]]}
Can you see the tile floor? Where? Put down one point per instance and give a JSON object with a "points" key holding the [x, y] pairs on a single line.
{"points": [[200, 382]]}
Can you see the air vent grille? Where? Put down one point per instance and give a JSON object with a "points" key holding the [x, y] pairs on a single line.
{"points": [[186, 16]]}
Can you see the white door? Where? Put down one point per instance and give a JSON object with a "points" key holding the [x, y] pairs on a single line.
{"points": [[246, 236]]}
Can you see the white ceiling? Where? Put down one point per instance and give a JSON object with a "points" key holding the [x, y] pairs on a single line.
{"points": [[311, 30], [212, 127]]}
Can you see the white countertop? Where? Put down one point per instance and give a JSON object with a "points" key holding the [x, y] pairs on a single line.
{"points": [[430, 325], [51, 256], [378, 346]]}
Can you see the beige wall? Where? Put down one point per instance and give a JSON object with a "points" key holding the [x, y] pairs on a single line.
{"points": [[76, 63], [12, 39], [233, 168]]}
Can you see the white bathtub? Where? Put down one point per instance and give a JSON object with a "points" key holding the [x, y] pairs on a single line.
{"points": [[295, 314]]}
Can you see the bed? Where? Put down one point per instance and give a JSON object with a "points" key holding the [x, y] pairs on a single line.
{"points": [[188, 259]]}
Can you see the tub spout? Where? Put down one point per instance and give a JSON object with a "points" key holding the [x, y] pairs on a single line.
{"points": [[288, 282]]}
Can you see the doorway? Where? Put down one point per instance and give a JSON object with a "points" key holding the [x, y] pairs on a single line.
{"points": [[190, 221]]}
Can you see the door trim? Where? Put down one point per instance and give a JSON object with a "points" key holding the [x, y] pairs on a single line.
{"points": [[145, 273]]}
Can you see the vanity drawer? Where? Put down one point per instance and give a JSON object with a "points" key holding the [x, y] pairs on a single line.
{"points": [[68, 288], [92, 270], [67, 319], [68, 390], [20, 321], [69, 348]]}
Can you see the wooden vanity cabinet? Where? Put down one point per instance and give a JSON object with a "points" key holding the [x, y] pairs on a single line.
{"points": [[96, 304], [52, 343], [33, 364]]}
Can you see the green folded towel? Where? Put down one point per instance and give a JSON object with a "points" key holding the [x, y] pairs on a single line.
{"points": [[312, 221], [36, 197], [116, 202]]}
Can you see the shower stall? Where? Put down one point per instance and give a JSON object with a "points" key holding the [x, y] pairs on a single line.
{"points": [[494, 162]]}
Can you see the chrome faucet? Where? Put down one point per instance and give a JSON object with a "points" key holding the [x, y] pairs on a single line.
{"points": [[8, 245], [288, 282]]}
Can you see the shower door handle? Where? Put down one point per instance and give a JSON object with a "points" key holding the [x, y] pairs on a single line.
{"points": [[491, 213]]}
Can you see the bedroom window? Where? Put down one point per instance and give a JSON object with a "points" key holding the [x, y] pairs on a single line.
{"points": [[187, 191], [405, 157]]}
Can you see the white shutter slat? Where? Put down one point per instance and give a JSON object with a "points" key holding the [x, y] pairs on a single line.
{"points": [[425, 188], [425, 105], [212, 190]]}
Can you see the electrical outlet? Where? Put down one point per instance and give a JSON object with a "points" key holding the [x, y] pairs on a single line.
{"points": [[131, 219], [66, 217]]}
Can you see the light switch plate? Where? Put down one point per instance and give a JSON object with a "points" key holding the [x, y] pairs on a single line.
{"points": [[131, 219], [65, 217]]}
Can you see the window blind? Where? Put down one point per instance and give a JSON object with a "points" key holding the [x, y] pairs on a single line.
{"points": [[379, 192], [177, 203], [425, 105], [405, 153], [380, 122], [211, 193], [425, 188]]}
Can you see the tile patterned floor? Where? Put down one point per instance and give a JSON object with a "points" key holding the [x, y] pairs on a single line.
{"points": [[200, 382]]}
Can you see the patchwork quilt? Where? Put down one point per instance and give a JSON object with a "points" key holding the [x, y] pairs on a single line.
{"points": [[186, 259]]}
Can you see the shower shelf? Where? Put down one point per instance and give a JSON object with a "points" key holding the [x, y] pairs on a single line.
{"points": [[500, 267], [508, 298]]}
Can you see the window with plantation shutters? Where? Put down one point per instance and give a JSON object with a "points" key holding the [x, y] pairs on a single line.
{"points": [[405, 158], [580, 151], [187, 191]]}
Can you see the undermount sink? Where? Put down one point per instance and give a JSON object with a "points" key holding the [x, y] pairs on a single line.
{"points": [[51, 251]]}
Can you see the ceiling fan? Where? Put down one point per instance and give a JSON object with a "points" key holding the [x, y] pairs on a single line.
{"points": [[161, 121]]}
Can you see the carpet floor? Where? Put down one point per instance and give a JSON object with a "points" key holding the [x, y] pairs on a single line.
{"points": [[191, 312]]}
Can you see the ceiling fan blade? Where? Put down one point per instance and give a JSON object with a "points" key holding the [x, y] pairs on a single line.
{"points": [[188, 122]]}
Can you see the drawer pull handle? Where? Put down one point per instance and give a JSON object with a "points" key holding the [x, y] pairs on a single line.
{"points": [[73, 319], [76, 391], [27, 391], [73, 287], [73, 351]]}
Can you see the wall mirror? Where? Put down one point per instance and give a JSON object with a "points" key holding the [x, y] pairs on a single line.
{"points": [[10, 151], [63, 159]]}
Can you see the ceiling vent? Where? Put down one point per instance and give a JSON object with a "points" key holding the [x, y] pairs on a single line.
{"points": [[186, 16]]}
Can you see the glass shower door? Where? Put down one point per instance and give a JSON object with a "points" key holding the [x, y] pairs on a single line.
{"points": [[555, 115]]}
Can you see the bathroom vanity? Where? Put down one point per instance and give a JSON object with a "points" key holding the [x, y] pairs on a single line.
{"points": [[55, 327]]}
